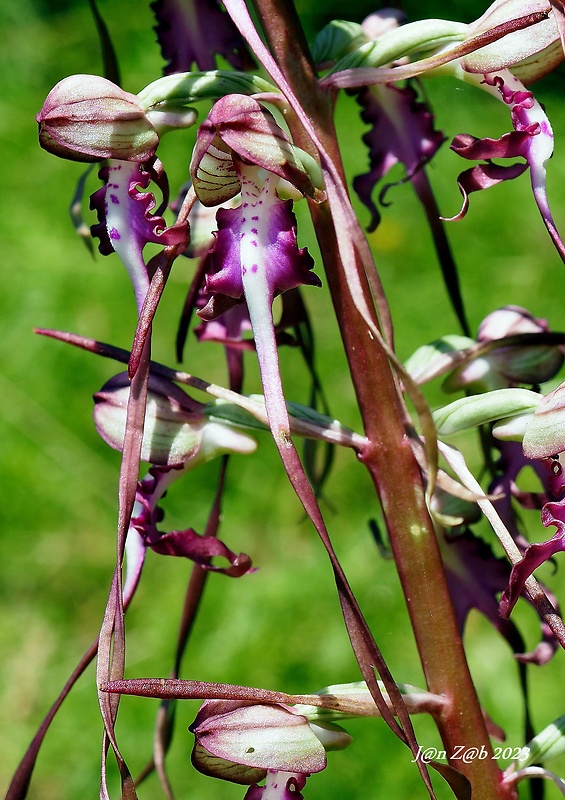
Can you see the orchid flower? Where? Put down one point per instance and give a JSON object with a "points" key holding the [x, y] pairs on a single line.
{"points": [[193, 33], [241, 148], [515, 54], [500, 69], [88, 118], [126, 222], [531, 139], [177, 438]]}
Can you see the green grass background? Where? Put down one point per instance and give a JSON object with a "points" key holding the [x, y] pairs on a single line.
{"points": [[281, 627]]}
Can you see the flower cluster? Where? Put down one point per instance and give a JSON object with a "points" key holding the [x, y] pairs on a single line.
{"points": [[262, 146]]}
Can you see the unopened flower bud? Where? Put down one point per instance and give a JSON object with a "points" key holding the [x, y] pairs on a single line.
{"points": [[512, 364], [176, 431], [531, 53], [545, 435], [88, 118], [239, 742]]}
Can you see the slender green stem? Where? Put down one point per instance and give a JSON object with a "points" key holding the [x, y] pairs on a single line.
{"points": [[388, 456]]}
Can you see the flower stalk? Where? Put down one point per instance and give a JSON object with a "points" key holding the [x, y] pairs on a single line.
{"points": [[388, 456]]}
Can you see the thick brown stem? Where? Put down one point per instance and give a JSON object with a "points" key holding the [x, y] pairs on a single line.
{"points": [[389, 458]]}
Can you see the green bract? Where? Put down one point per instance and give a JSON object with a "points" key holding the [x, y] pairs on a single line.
{"points": [[469, 412], [336, 39], [417, 38], [304, 421], [436, 357], [185, 88], [548, 744]]}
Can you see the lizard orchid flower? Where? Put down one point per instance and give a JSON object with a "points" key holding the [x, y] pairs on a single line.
{"points": [[177, 438], [89, 118], [240, 148]]}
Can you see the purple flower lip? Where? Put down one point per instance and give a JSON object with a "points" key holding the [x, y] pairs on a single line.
{"points": [[88, 118]]}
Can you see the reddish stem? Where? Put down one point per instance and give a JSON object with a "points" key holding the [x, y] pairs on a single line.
{"points": [[388, 457]]}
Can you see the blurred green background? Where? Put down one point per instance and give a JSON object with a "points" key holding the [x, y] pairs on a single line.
{"points": [[280, 628]]}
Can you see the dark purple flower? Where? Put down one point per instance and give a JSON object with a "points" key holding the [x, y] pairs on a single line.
{"points": [[241, 148], [143, 532], [402, 131], [194, 31]]}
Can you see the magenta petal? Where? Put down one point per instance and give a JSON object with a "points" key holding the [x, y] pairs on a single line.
{"points": [[279, 786], [531, 139], [536, 554], [125, 223], [286, 265], [200, 549], [193, 31], [143, 226], [483, 176], [509, 145]]}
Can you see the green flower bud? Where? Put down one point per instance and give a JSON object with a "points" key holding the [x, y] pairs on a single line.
{"points": [[530, 53], [176, 430], [88, 118], [239, 742], [545, 435]]}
